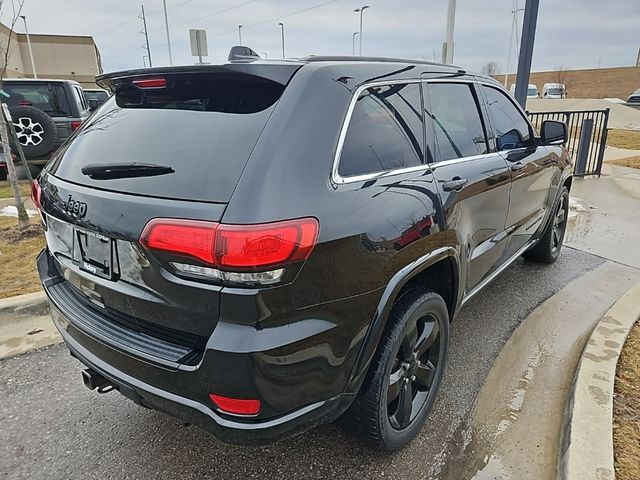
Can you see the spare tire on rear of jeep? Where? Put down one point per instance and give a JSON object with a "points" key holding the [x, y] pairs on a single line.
{"points": [[36, 131]]}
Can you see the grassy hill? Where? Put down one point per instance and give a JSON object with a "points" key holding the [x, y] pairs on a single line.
{"points": [[617, 82]]}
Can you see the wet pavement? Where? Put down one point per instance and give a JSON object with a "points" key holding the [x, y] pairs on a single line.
{"points": [[53, 427]]}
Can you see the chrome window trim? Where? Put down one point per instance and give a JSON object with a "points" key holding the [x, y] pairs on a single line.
{"points": [[335, 176], [340, 180]]}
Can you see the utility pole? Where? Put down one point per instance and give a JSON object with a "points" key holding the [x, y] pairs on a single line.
{"points": [[353, 43], [447, 50], [146, 34], [26, 30], [638, 58], [166, 25], [514, 28], [361, 10], [240, 34], [282, 31], [526, 50]]}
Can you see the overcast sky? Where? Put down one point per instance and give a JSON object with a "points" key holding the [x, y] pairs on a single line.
{"points": [[571, 33]]}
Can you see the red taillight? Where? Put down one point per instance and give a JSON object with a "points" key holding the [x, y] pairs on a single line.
{"points": [[36, 193], [271, 244], [75, 124], [183, 237], [150, 83], [236, 406], [234, 247]]}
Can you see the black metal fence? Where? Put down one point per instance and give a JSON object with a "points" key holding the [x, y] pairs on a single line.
{"points": [[587, 136]]}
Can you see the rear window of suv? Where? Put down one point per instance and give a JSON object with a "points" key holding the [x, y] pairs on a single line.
{"points": [[187, 140], [48, 97]]}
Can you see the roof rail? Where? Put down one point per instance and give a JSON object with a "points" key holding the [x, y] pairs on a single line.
{"points": [[345, 58]]}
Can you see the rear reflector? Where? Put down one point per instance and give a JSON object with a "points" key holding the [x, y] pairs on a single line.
{"points": [[239, 248], [236, 406], [75, 124], [150, 83]]}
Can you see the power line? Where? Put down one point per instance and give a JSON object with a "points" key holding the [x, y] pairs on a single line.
{"points": [[263, 22]]}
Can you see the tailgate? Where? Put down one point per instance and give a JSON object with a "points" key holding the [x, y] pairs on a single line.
{"points": [[92, 236]]}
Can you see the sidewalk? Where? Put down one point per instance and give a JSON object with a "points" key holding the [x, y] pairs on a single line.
{"points": [[606, 220], [515, 429]]}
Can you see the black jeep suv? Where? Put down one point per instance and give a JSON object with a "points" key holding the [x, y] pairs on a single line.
{"points": [[258, 247]]}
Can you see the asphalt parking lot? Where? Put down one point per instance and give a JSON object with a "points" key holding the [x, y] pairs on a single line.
{"points": [[53, 427]]}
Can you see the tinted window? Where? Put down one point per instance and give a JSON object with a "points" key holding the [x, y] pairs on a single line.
{"points": [[456, 121], [79, 98], [200, 131], [48, 97], [385, 131], [512, 129]]}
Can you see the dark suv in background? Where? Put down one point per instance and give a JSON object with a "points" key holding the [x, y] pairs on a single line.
{"points": [[259, 246], [44, 113]]}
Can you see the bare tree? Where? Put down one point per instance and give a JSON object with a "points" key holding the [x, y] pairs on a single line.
{"points": [[491, 68], [435, 57], [562, 76], [5, 51]]}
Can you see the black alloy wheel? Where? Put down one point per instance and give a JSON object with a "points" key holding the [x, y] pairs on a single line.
{"points": [[405, 375]]}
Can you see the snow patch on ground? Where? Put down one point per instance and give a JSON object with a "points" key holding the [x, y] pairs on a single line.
{"points": [[11, 211]]}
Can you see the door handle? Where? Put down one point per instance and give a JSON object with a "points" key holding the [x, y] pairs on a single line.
{"points": [[516, 167], [455, 184]]}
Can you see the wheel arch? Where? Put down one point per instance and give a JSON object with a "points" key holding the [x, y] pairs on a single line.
{"points": [[426, 272]]}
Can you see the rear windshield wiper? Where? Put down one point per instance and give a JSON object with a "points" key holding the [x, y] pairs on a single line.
{"points": [[125, 170]]}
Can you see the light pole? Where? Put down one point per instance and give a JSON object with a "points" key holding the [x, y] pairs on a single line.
{"points": [[529, 24], [166, 25], [240, 33], [447, 54], [26, 30], [353, 43], [282, 31], [361, 10]]}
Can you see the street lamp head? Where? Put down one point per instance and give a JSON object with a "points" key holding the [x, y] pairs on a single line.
{"points": [[240, 26], [281, 24], [23, 17]]}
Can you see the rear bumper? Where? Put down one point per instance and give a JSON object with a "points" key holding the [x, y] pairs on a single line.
{"points": [[182, 390], [203, 416]]}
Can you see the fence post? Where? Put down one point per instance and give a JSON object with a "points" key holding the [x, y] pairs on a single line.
{"points": [[583, 146], [603, 141]]}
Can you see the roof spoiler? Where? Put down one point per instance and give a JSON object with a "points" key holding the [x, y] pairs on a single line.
{"points": [[240, 53]]}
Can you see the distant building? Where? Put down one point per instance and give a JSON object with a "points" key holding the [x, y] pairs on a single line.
{"points": [[71, 57]]}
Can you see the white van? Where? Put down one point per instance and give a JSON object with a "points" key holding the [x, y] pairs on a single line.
{"points": [[532, 90], [554, 90]]}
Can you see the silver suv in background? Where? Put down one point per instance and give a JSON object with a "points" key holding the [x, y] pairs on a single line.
{"points": [[45, 113]]}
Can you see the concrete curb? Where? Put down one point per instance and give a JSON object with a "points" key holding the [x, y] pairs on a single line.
{"points": [[586, 445], [24, 305]]}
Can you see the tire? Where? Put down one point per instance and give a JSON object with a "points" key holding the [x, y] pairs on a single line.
{"points": [[3, 174], [547, 250], [36, 131], [403, 370]]}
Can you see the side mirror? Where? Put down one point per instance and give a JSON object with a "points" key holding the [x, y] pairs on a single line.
{"points": [[93, 103], [553, 132]]}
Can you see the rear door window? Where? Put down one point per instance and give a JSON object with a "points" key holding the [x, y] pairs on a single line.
{"points": [[188, 140], [77, 91], [48, 97], [385, 131], [456, 121]]}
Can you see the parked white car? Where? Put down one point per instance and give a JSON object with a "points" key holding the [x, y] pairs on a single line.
{"points": [[554, 90], [532, 90]]}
